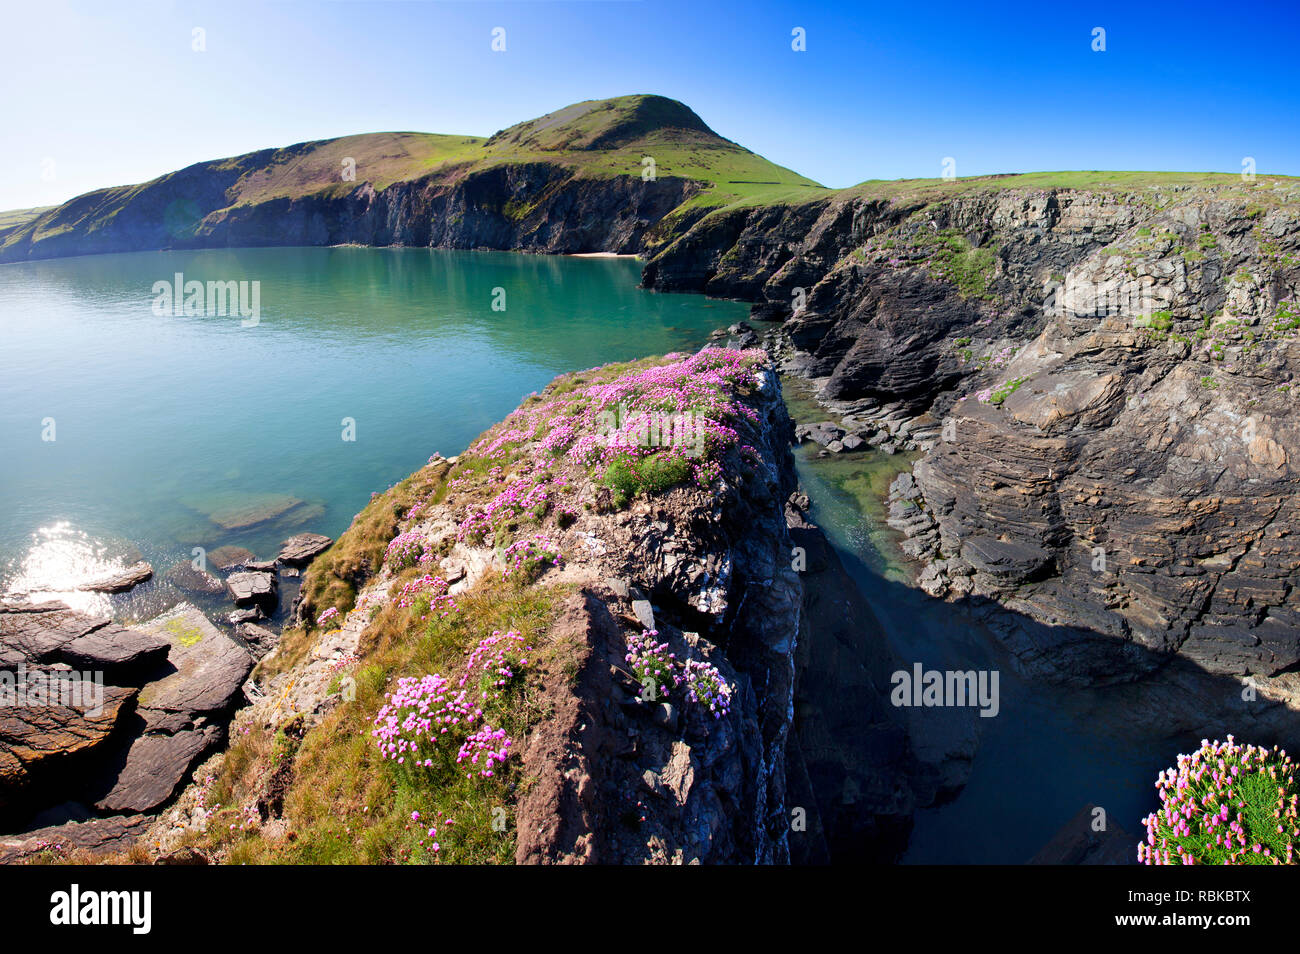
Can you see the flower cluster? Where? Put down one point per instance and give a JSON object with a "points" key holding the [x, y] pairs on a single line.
{"points": [[489, 744], [493, 663], [405, 550], [430, 594], [327, 617], [419, 712], [682, 407], [655, 667], [416, 713], [521, 495], [531, 555], [1225, 804], [705, 685]]}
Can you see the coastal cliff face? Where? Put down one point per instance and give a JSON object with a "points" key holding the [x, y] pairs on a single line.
{"points": [[1102, 384]]}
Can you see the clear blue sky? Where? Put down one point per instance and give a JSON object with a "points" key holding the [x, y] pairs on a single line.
{"points": [[113, 92]]}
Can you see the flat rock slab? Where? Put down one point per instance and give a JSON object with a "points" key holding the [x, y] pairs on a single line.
{"points": [[115, 647], [127, 579], [97, 835], [303, 548], [32, 632], [1005, 559], [209, 666], [252, 587], [155, 766], [51, 632]]}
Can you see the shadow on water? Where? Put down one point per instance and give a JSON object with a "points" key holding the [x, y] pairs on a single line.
{"points": [[962, 788]]}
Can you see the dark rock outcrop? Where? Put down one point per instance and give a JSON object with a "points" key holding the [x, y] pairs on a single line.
{"points": [[121, 730]]}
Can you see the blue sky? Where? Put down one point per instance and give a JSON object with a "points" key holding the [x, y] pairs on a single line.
{"points": [[108, 93]]}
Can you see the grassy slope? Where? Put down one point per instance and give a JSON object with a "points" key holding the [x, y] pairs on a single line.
{"points": [[18, 217]]}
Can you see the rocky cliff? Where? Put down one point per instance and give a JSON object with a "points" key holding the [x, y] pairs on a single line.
{"points": [[1101, 380], [629, 525]]}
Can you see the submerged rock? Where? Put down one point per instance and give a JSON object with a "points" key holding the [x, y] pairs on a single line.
{"points": [[184, 576], [252, 512], [229, 558]]}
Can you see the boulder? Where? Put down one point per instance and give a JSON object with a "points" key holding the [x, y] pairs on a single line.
{"points": [[34, 738], [260, 639], [644, 613], [252, 588], [250, 615]]}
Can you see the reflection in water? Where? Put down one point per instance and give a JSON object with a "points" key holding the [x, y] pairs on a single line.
{"points": [[61, 559]]}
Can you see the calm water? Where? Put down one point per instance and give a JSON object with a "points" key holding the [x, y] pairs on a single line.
{"points": [[162, 424], [1048, 752]]}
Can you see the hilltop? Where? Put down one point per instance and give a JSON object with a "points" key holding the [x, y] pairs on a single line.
{"points": [[320, 192]]}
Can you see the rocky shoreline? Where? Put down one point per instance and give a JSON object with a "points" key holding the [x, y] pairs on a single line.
{"points": [[156, 697]]}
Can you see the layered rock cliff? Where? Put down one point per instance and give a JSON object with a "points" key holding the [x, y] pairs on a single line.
{"points": [[1101, 380]]}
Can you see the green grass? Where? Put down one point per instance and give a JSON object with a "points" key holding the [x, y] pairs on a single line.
{"points": [[954, 259], [628, 477], [1158, 320], [598, 139], [1005, 390], [346, 804], [15, 218]]}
